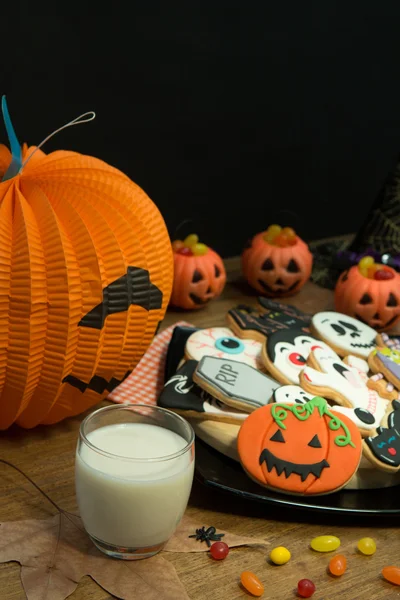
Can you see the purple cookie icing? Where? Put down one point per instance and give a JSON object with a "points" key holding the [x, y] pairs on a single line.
{"points": [[389, 364]]}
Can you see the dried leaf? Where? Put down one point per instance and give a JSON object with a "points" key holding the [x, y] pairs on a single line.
{"points": [[180, 541], [56, 553]]}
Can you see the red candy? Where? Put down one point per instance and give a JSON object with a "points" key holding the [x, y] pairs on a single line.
{"points": [[219, 550], [305, 588], [185, 251], [338, 565], [383, 275]]}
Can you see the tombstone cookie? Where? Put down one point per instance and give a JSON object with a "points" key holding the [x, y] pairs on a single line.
{"points": [[222, 343], [387, 362], [302, 449], [344, 334], [183, 396], [233, 383]]}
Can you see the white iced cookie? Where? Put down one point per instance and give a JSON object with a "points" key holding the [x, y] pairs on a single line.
{"points": [[222, 343], [345, 334]]}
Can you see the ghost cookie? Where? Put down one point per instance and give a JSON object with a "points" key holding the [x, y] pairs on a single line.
{"points": [[235, 384], [344, 334], [302, 449], [327, 375], [222, 343], [181, 395], [384, 447], [386, 361], [285, 353]]}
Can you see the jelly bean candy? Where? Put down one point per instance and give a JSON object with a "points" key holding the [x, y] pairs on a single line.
{"points": [[290, 233], [272, 232], [199, 249], [280, 555], [219, 550], [383, 275], [338, 565], [185, 251], [281, 240], [177, 245], [325, 543], [305, 588], [392, 574], [365, 262], [251, 583], [191, 240], [367, 546], [371, 271]]}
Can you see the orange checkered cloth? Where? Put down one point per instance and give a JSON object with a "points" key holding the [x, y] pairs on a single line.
{"points": [[144, 384]]}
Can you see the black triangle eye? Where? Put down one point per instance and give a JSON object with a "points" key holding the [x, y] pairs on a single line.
{"points": [[315, 443], [268, 265], [277, 437], [197, 276], [366, 299], [391, 300], [292, 267], [217, 271]]}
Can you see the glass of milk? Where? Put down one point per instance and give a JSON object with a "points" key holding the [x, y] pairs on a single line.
{"points": [[133, 475]]}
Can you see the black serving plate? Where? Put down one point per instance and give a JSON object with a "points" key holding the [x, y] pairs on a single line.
{"points": [[217, 471]]}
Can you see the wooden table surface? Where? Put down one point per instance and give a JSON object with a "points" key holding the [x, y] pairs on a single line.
{"points": [[46, 454]]}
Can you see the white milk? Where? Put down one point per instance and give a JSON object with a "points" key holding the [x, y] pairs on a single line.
{"points": [[128, 503]]}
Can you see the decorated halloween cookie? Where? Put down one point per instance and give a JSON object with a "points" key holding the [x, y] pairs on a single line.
{"points": [[181, 395], [285, 353], [344, 334], [302, 449], [384, 447], [327, 375], [222, 343], [267, 305], [386, 361], [246, 323], [176, 348], [235, 384]]}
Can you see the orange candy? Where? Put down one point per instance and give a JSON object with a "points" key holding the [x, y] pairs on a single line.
{"points": [[391, 574], [177, 245], [338, 565], [251, 583], [280, 237]]}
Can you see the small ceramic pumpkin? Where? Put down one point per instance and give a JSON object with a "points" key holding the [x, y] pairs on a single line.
{"points": [[300, 448], [370, 292], [199, 274], [277, 262]]}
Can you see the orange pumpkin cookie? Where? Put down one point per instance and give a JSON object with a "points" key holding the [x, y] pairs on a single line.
{"points": [[303, 449]]}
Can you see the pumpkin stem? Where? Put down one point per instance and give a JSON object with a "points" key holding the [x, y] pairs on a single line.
{"points": [[15, 146]]}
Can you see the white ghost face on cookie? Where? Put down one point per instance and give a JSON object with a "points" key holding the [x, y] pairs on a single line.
{"points": [[288, 350], [347, 335], [222, 343], [344, 384]]}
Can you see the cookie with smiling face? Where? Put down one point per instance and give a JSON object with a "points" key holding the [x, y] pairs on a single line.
{"points": [[344, 334], [285, 353]]}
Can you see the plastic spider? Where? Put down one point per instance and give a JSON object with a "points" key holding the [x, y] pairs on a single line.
{"points": [[207, 535]]}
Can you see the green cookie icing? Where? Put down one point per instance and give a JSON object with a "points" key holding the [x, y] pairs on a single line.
{"points": [[394, 355], [303, 411]]}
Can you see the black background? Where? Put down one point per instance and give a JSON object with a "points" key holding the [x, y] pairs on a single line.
{"points": [[231, 115]]}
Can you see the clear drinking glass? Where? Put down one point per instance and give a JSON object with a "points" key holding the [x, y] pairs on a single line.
{"points": [[133, 475]]}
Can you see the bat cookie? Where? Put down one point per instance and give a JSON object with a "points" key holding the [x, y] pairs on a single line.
{"points": [[344, 334], [235, 384], [222, 343], [183, 396], [327, 375], [303, 449]]}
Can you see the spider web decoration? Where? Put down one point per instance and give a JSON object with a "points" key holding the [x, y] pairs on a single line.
{"points": [[381, 228]]}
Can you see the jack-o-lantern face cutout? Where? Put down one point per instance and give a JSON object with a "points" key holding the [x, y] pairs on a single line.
{"points": [[198, 278], [300, 449], [276, 271], [374, 302]]}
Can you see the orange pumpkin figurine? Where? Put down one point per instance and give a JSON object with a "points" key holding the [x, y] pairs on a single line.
{"points": [[86, 276], [199, 273], [370, 292], [300, 448], [277, 262]]}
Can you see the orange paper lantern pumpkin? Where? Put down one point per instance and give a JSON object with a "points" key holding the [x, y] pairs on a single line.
{"points": [[199, 274], [276, 270], [300, 449], [86, 276], [375, 302]]}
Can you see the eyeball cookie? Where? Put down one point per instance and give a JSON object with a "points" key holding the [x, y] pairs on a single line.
{"points": [[344, 334], [222, 343]]}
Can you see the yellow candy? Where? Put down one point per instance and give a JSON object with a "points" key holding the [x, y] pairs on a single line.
{"points": [[272, 232], [367, 546], [325, 543], [191, 240], [365, 262], [199, 249], [280, 555]]}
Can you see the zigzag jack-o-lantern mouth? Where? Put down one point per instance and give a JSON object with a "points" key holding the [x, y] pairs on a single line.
{"points": [[288, 468], [279, 289]]}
